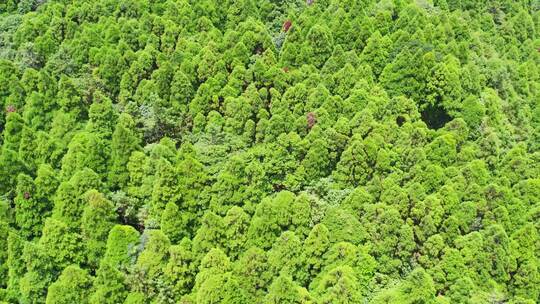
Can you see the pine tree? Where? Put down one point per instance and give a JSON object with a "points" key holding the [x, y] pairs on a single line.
{"points": [[86, 150], [154, 256], [121, 243], [339, 286], [319, 45], [16, 265], [28, 152], [174, 223], [4, 254], [284, 290], [314, 247], [181, 269], [110, 285], [124, 142], [70, 202], [376, 52], [98, 218], [285, 254], [13, 131], [29, 214], [10, 167], [165, 190], [252, 268], [101, 117], [72, 286]]}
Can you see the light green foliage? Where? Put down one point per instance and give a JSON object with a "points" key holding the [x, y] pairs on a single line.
{"points": [[285, 255], [284, 290], [70, 198], [180, 270], [271, 217], [110, 285], [376, 52], [97, 220], [27, 212], [314, 247], [220, 288], [13, 131], [16, 265], [72, 286], [339, 286], [174, 223], [60, 244], [252, 267], [236, 227], [120, 244], [417, 288], [101, 116], [165, 189], [86, 150], [155, 252], [269, 151], [4, 243], [124, 142]]}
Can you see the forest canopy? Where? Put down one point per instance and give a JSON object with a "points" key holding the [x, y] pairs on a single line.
{"points": [[269, 151]]}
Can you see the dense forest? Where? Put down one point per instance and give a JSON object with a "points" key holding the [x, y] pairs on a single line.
{"points": [[269, 151]]}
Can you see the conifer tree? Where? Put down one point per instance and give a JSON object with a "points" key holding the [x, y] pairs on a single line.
{"points": [[124, 142], [72, 286], [98, 218]]}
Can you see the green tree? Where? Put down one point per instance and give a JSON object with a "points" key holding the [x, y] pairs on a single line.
{"points": [[165, 190], [376, 52], [16, 265], [121, 243], [252, 270], [236, 224], [285, 254], [28, 212], [101, 117], [356, 164], [181, 269], [13, 131], [98, 218], [72, 286], [174, 223], [111, 283], [124, 142], [86, 150], [319, 45], [284, 290], [28, 152], [61, 245], [339, 286], [313, 250], [10, 166], [416, 288], [69, 201], [4, 243], [153, 258]]}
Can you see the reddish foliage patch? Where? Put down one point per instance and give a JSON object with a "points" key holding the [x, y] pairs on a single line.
{"points": [[311, 120], [11, 109], [286, 69], [26, 195], [287, 25]]}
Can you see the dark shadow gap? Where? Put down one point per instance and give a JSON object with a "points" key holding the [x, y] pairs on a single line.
{"points": [[435, 116]]}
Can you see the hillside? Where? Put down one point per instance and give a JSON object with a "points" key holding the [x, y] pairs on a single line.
{"points": [[269, 151]]}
